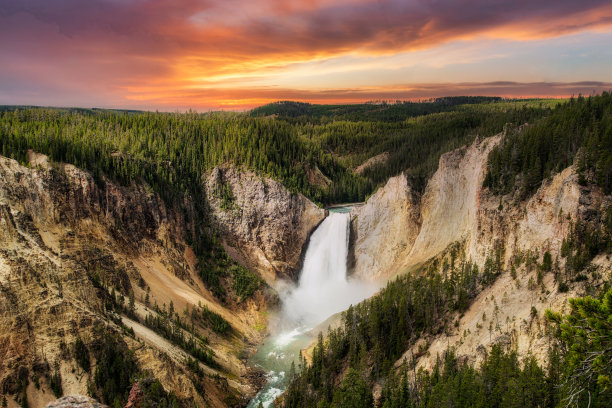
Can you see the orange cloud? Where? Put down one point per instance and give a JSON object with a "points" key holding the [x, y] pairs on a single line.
{"points": [[241, 99], [158, 50]]}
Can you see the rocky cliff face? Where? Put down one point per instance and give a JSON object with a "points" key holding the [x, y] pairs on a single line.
{"points": [[384, 229], [66, 241], [396, 231], [455, 208], [451, 199], [407, 229], [261, 223]]}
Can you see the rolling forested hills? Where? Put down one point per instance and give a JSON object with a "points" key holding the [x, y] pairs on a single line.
{"points": [[171, 151]]}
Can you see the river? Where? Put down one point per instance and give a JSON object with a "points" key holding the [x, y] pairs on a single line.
{"points": [[323, 289]]}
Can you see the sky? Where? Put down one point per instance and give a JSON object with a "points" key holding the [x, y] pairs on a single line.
{"points": [[205, 55]]}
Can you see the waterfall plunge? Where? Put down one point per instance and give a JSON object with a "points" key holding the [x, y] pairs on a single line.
{"points": [[323, 288]]}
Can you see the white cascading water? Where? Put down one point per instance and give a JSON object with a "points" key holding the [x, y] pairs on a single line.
{"points": [[323, 289]]}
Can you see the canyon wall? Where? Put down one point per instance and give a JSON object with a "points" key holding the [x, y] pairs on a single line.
{"points": [[384, 229], [455, 207], [261, 223], [68, 241], [396, 232]]}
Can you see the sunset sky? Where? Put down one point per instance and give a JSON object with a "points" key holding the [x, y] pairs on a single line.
{"points": [[235, 54]]}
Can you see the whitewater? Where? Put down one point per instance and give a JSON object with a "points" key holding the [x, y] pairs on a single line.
{"points": [[323, 289]]}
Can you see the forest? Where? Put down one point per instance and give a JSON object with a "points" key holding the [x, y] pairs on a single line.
{"points": [[376, 111], [363, 351], [580, 129], [171, 151]]}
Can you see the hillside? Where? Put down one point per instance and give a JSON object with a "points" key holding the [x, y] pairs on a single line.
{"points": [[100, 286], [142, 252], [472, 271]]}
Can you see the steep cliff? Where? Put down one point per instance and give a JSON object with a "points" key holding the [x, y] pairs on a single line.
{"points": [[451, 199], [384, 229], [260, 222], [396, 231], [78, 255], [455, 207]]}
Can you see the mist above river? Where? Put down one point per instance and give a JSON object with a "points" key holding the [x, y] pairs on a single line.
{"points": [[323, 288], [322, 291]]}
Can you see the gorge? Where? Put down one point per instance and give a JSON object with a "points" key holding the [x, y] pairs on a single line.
{"points": [[322, 290], [194, 268]]}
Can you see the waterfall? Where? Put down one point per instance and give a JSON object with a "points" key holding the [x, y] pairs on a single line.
{"points": [[323, 289]]}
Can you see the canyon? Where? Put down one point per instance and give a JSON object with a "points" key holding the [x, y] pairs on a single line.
{"points": [[62, 233]]}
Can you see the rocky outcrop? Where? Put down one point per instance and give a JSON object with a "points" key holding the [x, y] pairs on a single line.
{"points": [[384, 229], [67, 242], [75, 401], [456, 212], [262, 224], [54, 194]]}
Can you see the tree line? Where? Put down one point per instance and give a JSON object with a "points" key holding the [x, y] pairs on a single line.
{"points": [[365, 349], [579, 131]]}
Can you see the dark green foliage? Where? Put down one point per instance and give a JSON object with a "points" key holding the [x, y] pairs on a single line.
{"points": [[354, 392], [585, 241], [215, 321], [526, 157], [81, 354], [55, 382], [587, 335], [377, 331], [223, 191], [194, 366], [211, 273], [377, 112], [499, 382], [216, 267], [245, 282], [154, 395], [173, 328], [546, 262], [116, 368]]}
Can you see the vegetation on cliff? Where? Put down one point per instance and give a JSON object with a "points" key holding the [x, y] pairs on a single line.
{"points": [[376, 332], [117, 369], [582, 127]]}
